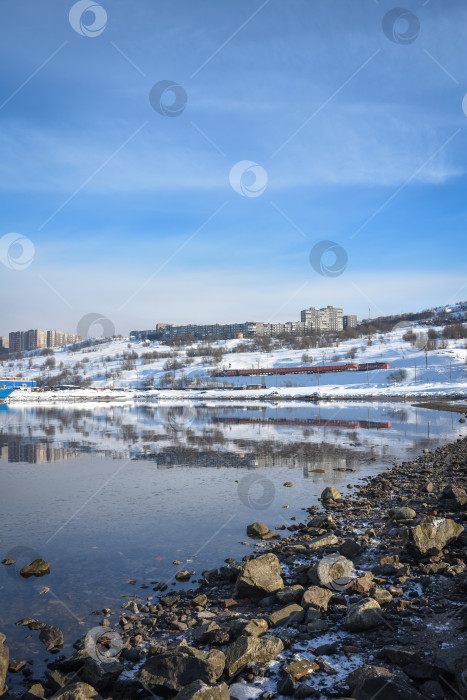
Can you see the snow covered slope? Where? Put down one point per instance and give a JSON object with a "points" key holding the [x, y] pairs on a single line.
{"points": [[421, 366]]}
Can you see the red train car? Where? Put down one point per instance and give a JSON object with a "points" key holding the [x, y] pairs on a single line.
{"points": [[307, 369]]}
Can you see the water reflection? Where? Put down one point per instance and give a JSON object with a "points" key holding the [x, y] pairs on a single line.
{"points": [[217, 434], [150, 484]]}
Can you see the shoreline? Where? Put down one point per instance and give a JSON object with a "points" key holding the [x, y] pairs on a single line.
{"points": [[282, 626], [96, 396]]}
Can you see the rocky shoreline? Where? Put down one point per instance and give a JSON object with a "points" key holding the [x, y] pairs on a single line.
{"points": [[366, 598]]}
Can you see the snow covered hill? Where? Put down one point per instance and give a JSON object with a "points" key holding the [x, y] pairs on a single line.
{"points": [[423, 360]]}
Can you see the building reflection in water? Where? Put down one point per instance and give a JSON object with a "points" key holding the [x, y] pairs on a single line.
{"points": [[18, 449]]}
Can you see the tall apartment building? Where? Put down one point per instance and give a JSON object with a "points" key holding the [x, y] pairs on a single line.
{"points": [[328, 318], [4, 342], [37, 338], [16, 341], [350, 321]]}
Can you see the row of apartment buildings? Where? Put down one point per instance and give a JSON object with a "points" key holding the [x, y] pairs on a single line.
{"points": [[328, 318], [37, 338]]}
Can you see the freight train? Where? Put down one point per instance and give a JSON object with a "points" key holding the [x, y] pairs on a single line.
{"points": [[310, 369], [306, 422]]}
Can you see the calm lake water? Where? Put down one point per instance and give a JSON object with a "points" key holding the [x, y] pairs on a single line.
{"points": [[115, 494]]}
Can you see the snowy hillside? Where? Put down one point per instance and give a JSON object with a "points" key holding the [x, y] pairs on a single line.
{"points": [[424, 359]]}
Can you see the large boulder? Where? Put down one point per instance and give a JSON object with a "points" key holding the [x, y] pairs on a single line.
{"points": [[334, 572], [247, 649], [200, 691], [100, 675], [432, 535], [257, 530], [51, 637], [260, 577], [4, 661], [177, 668], [39, 567], [363, 615], [77, 691], [455, 493], [330, 493]]}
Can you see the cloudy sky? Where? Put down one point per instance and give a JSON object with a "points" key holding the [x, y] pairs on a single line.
{"points": [[179, 161]]}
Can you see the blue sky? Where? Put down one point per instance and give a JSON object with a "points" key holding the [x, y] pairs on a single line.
{"points": [[132, 213]]}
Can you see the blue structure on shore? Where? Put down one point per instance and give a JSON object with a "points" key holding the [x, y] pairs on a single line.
{"points": [[5, 393]]}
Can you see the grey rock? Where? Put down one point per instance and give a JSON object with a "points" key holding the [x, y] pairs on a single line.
{"points": [[73, 663], [460, 668], [432, 690], [321, 521], [77, 691], [51, 637], [400, 656], [432, 535], [381, 595], [4, 661], [34, 692], [290, 615], [204, 634], [247, 649], [260, 577], [39, 567], [357, 677], [290, 594], [362, 615], [330, 493], [350, 549], [100, 675], [403, 513], [177, 668], [457, 494], [317, 598], [257, 530], [200, 691], [58, 680], [323, 541], [249, 628], [386, 689]]}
